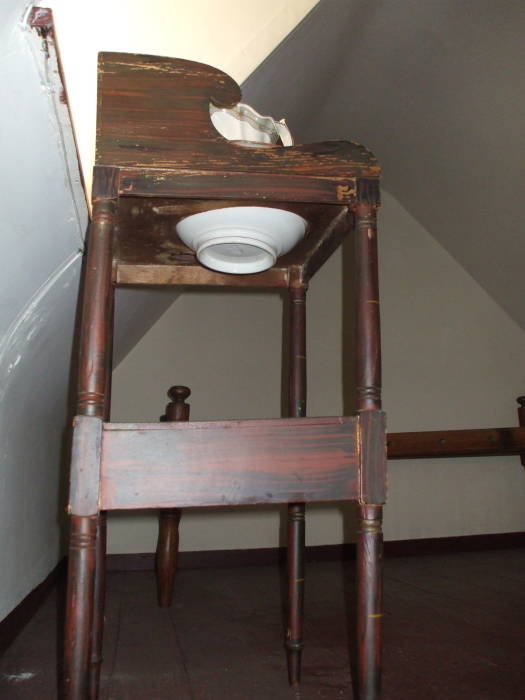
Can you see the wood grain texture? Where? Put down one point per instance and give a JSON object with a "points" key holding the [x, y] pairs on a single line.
{"points": [[322, 247], [97, 306], [482, 442], [79, 607], [196, 275], [369, 601], [373, 462], [85, 465], [296, 525], [228, 463], [147, 249], [167, 553], [367, 309], [277, 186], [154, 112]]}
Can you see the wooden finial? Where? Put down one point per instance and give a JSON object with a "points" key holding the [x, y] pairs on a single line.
{"points": [[179, 394], [177, 409]]}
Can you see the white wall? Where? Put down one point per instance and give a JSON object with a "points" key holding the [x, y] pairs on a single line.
{"points": [[452, 358], [41, 228]]}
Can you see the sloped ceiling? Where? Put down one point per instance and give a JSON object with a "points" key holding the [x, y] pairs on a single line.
{"points": [[436, 90]]}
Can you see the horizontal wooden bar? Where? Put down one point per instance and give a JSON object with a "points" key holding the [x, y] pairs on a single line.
{"points": [[152, 465], [275, 187], [483, 442], [197, 275]]}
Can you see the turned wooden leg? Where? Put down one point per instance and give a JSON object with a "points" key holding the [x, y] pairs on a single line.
{"points": [[79, 606], [167, 552], [169, 518], [372, 477], [369, 600], [94, 380], [296, 511], [294, 634], [99, 591]]}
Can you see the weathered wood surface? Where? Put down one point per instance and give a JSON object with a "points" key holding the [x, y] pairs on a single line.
{"points": [[369, 601], [228, 463], [296, 511], [278, 186], [97, 307], [146, 244], [373, 470], [372, 491], [483, 442], [85, 465], [79, 607], [154, 112], [367, 309], [180, 273], [169, 518]]}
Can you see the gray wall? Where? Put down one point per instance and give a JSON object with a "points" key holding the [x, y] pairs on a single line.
{"points": [[436, 90]]}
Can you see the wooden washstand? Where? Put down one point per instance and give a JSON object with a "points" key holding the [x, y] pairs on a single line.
{"points": [[158, 160]]}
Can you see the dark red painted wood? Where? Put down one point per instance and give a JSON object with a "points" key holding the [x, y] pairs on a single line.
{"points": [[99, 603], [269, 186], [79, 606], [86, 568], [154, 465], [96, 312], [367, 311], [373, 461], [372, 450], [332, 237], [296, 511], [153, 112], [369, 601], [155, 139], [482, 442], [169, 518]]}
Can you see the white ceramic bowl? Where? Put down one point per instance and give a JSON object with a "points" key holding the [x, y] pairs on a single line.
{"points": [[241, 240]]}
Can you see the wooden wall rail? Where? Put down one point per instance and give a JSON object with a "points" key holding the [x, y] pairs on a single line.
{"points": [[151, 465], [485, 442]]}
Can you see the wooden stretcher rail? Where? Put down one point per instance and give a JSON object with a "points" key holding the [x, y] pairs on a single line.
{"points": [[485, 442], [152, 465]]}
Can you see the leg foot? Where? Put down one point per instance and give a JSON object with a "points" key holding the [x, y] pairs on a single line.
{"points": [[79, 606], [294, 635], [98, 607], [167, 552], [369, 601]]}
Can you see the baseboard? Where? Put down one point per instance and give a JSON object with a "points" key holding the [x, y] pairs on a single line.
{"points": [[331, 552], [11, 625]]}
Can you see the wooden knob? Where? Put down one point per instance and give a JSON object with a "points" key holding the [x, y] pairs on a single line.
{"points": [[179, 394], [177, 409]]}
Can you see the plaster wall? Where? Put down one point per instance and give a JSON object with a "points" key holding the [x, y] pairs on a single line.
{"points": [[43, 220], [452, 358], [41, 229], [435, 90]]}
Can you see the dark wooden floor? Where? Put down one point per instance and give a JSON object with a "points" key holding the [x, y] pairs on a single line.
{"points": [[454, 629]]}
